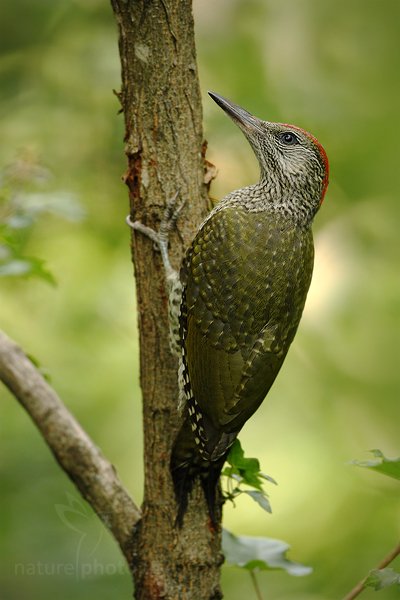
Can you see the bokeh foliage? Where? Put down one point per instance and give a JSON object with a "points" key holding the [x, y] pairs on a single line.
{"points": [[331, 67]]}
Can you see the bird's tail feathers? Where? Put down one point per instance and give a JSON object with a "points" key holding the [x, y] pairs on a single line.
{"points": [[186, 466]]}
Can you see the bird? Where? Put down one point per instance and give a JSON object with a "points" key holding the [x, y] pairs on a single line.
{"points": [[242, 288]]}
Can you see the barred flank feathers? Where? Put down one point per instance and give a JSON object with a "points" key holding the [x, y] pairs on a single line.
{"points": [[190, 458]]}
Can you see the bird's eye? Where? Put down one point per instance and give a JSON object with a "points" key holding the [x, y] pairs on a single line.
{"points": [[288, 138]]}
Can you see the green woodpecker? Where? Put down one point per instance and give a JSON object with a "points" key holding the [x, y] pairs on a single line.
{"points": [[242, 289]]}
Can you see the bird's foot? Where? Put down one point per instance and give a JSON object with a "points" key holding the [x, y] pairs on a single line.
{"points": [[161, 237], [171, 214]]}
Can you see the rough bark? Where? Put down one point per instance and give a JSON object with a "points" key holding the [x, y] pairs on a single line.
{"points": [[161, 102], [93, 475]]}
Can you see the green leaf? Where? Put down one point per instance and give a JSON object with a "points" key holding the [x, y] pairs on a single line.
{"points": [[259, 553], [15, 268], [19, 221], [384, 465], [383, 578], [245, 471], [268, 478], [247, 468], [261, 499], [26, 267], [21, 208], [60, 203], [236, 453]]}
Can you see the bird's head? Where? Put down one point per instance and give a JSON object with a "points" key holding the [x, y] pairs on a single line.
{"points": [[294, 166]]}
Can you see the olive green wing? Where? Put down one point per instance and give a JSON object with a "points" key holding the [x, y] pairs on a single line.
{"points": [[234, 298], [229, 386]]}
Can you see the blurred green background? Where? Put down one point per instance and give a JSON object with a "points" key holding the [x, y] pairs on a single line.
{"points": [[331, 67]]}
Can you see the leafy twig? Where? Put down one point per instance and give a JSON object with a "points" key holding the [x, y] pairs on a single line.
{"points": [[360, 587]]}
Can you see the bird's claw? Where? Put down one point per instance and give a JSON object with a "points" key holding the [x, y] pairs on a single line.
{"points": [[160, 238], [170, 216], [147, 231]]}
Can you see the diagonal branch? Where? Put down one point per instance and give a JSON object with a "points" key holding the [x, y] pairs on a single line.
{"points": [[360, 587], [79, 457]]}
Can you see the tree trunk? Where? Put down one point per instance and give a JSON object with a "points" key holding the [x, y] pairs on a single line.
{"points": [[161, 102]]}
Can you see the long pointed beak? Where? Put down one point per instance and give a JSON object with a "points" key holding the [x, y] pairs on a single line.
{"points": [[247, 122]]}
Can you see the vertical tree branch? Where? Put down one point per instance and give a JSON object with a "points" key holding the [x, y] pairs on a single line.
{"points": [[161, 101]]}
